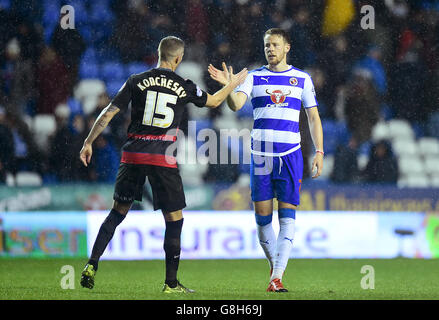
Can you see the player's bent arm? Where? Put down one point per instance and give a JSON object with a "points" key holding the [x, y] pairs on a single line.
{"points": [[236, 100], [101, 123], [218, 97]]}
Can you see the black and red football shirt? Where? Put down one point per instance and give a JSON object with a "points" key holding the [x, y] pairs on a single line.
{"points": [[157, 98]]}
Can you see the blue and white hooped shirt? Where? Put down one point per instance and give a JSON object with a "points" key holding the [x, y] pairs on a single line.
{"points": [[277, 98]]}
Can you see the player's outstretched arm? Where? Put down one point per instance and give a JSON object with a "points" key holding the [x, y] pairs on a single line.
{"points": [[216, 99], [315, 127], [235, 100], [100, 124]]}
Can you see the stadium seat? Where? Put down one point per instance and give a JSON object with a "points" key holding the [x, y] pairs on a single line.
{"points": [[418, 129], [243, 180], [89, 104], [137, 67], [74, 105], [103, 3], [112, 71], [434, 181], [399, 128], [51, 11], [328, 166], [43, 126], [88, 70], [203, 124], [27, 178], [192, 70], [362, 161], [88, 88], [365, 148], [432, 164], [226, 122], [410, 165], [428, 146], [62, 111], [100, 34], [90, 55], [10, 179], [48, 31], [414, 181], [5, 4], [335, 133], [113, 87], [404, 147], [108, 53], [433, 124], [192, 173], [197, 113], [86, 33], [28, 120], [386, 112], [380, 132], [244, 168], [47, 3], [100, 12], [81, 14]]}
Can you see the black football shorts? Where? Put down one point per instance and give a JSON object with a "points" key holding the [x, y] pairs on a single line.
{"points": [[166, 185]]}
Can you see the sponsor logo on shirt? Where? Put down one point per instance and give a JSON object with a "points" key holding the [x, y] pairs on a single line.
{"points": [[278, 98]]}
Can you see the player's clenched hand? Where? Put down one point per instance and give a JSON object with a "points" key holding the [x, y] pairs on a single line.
{"points": [[317, 163], [85, 154]]}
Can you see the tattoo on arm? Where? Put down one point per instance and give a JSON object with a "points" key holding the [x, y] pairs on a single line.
{"points": [[101, 122], [111, 108]]}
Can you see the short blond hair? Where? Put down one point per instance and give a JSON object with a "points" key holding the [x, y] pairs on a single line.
{"points": [[170, 47]]}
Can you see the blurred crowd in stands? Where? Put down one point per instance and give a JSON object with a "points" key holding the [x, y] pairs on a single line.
{"points": [[361, 76]]}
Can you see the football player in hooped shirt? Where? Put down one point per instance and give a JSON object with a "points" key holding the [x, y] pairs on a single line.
{"points": [[277, 93], [157, 98]]}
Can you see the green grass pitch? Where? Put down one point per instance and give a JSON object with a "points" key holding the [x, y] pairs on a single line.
{"points": [[222, 279]]}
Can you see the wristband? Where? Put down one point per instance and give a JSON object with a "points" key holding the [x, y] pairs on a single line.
{"points": [[319, 151]]}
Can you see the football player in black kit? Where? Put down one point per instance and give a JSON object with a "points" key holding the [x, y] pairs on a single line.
{"points": [[157, 98]]}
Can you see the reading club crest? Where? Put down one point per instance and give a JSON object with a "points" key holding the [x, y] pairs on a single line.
{"points": [[293, 81], [277, 96]]}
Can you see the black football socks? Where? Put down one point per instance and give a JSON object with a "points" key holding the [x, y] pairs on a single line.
{"points": [[105, 234], [172, 250]]}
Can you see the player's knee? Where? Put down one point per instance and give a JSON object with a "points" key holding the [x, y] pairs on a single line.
{"points": [[173, 216], [111, 222], [263, 220], [122, 207]]}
